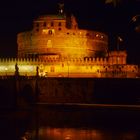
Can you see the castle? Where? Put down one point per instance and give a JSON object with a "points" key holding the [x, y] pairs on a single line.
{"points": [[56, 47]]}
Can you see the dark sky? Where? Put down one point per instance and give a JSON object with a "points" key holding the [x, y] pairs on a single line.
{"points": [[17, 16]]}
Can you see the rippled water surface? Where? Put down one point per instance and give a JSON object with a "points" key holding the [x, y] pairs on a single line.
{"points": [[69, 123]]}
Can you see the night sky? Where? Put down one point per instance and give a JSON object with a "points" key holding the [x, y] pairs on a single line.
{"points": [[113, 19]]}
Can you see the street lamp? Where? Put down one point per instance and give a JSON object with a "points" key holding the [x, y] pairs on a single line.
{"points": [[119, 40]]}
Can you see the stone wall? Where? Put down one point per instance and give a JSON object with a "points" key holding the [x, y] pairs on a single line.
{"points": [[77, 67], [67, 43], [24, 91]]}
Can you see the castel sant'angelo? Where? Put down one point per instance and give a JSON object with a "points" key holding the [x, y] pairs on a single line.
{"points": [[56, 47], [59, 63]]}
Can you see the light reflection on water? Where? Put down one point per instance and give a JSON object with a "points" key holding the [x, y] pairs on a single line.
{"points": [[53, 123], [47, 133], [70, 134]]}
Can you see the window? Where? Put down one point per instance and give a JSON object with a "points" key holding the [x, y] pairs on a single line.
{"points": [[49, 44], [44, 24], [37, 30], [52, 24], [102, 36], [97, 35], [44, 31], [52, 69], [50, 32], [59, 24]]}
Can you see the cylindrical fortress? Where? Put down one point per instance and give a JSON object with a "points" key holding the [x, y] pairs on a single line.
{"points": [[59, 35]]}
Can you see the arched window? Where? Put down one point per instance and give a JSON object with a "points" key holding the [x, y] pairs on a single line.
{"points": [[50, 32]]}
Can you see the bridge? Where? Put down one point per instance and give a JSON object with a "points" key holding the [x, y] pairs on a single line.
{"points": [[23, 91]]}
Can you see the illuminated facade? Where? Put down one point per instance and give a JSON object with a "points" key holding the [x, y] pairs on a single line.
{"points": [[59, 35], [56, 47]]}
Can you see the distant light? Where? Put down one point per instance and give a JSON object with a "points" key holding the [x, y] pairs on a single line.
{"points": [[120, 39], [97, 35], [135, 18], [137, 29], [61, 11], [44, 31], [114, 2], [108, 1], [68, 137]]}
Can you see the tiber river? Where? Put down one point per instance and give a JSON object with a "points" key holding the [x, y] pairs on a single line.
{"points": [[70, 123]]}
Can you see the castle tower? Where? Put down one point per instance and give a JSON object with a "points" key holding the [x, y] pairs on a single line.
{"points": [[59, 35], [117, 57]]}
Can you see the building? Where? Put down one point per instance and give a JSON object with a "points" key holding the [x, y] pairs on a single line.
{"points": [[56, 47], [59, 63]]}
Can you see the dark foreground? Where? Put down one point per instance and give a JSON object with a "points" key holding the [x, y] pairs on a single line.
{"points": [[59, 122]]}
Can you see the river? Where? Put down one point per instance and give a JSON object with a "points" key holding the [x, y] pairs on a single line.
{"points": [[70, 123]]}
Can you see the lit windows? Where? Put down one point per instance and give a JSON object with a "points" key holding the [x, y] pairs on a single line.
{"points": [[97, 35], [48, 31], [44, 31], [102, 36]]}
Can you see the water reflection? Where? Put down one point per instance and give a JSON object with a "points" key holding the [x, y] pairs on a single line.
{"points": [[53, 123], [69, 134], [78, 134]]}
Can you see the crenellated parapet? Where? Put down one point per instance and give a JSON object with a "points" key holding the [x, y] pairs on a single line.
{"points": [[117, 57], [74, 67]]}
